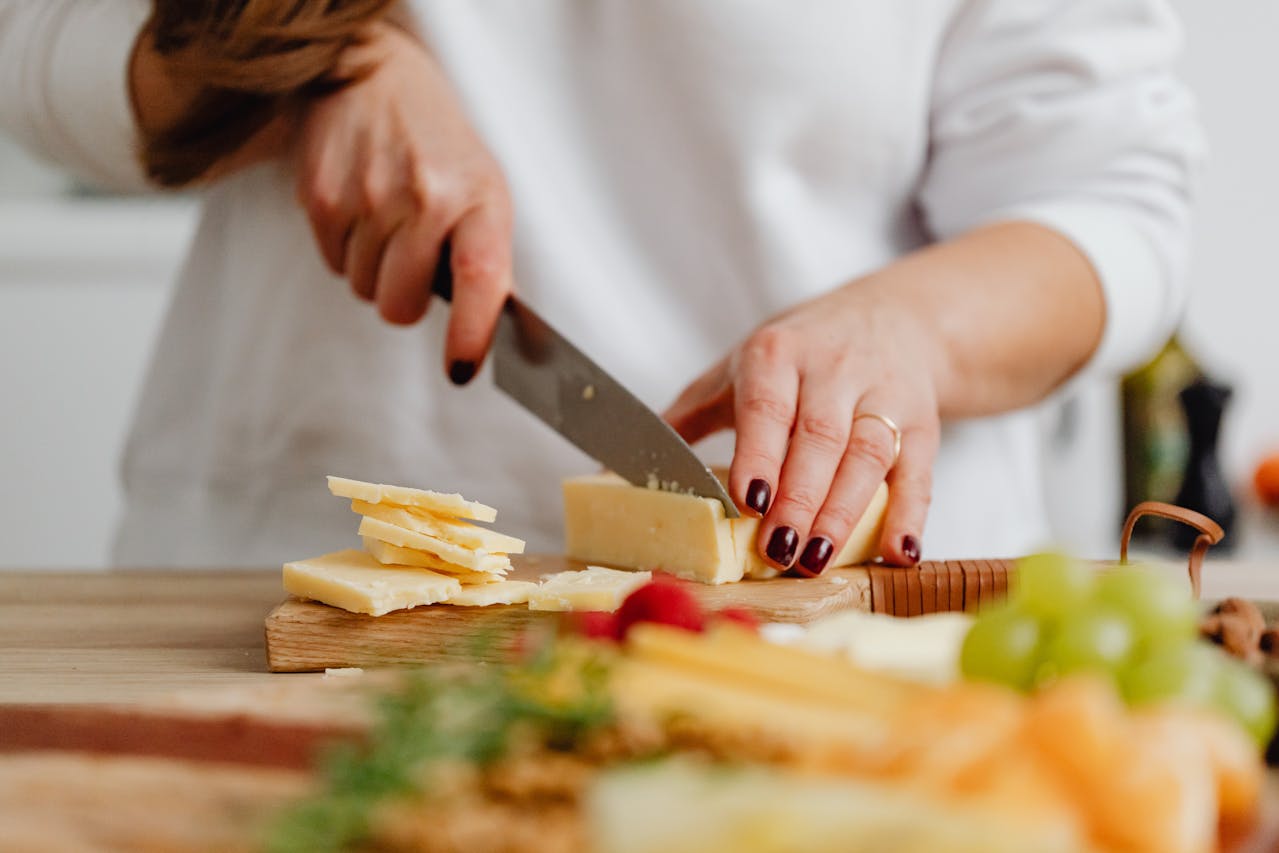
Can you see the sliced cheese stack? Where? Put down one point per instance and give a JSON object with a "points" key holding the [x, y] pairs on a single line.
{"points": [[421, 547]]}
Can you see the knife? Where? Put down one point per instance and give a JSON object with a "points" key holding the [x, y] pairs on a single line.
{"points": [[543, 372]]}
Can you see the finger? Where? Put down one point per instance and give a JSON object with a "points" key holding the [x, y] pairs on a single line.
{"points": [[482, 280], [332, 213], [704, 407], [404, 277], [765, 394], [910, 488], [817, 444], [364, 257], [866, 461]]}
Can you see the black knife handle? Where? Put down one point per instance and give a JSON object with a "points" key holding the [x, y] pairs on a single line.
{"points": [[442, 281]]}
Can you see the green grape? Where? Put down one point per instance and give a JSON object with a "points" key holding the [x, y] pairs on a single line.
{"points": [[1184, 673], [1002, 646], [1049, 585], [1247, 697], [1160, 608], [1091, 640]]}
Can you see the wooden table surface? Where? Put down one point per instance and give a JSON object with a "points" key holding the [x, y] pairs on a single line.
{"points": [[133, 636]]}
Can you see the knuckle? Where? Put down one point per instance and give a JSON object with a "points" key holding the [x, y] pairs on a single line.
{"points": [[799, 502], [478, 267], [757, 460], [768, 409], [822, 433], [839, 517], [767, 346], [878, 452]]}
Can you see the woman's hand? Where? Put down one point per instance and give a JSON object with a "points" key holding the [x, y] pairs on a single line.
{"points": [[796, 391], [989, 321], [389, 170]]}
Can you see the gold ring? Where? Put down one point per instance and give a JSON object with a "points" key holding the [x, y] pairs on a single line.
{"points": [[891, 424]]}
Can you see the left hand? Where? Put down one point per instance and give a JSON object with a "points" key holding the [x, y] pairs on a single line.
{"points": [[793, 390]]}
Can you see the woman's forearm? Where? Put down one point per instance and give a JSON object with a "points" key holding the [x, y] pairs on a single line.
{"points": [[1009, 312]]}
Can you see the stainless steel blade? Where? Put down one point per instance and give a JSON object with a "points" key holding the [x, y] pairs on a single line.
{"points": [[577, 398]]}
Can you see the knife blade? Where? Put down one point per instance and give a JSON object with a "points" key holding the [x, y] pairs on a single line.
{"points": [[564, 388]]}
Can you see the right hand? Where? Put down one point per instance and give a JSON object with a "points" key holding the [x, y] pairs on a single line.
{"points": [[389, 170]]}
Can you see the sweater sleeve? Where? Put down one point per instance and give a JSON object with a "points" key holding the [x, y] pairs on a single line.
{"points": [[1068, 114], [64, 87]]}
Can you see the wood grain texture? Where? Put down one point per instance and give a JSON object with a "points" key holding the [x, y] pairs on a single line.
{"points": [[305, 636]]}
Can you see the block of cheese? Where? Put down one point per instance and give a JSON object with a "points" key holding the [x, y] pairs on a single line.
{"points": [[467, 558], [458, 532], [593, 588], [437, 502], [394, 555], [353, 580], [502, 592], [608, 520]]}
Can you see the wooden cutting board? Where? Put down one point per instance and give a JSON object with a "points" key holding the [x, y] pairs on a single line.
{"points": [[305, 636]]}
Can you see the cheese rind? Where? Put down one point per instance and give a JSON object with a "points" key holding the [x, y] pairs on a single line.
{"points": [[594, 588], [485, 595], [354, 581], [608, 520], [438, 502], [394, 555], [467, 558], [450, 529]]}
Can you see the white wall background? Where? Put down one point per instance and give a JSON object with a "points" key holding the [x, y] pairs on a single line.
{"points": [[83, 285]]}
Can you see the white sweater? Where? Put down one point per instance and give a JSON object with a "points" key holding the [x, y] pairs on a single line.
{"points": [[682, 170]]}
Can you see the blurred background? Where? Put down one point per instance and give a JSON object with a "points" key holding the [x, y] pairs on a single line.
{"points": [[84, 280]]}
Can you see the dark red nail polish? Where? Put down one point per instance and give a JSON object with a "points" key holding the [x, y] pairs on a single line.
{"points": [[461, 372], [817, 554], [910, 548], [758, 495], [782, 545]]}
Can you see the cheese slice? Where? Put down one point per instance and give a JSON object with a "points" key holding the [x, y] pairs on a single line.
{"points": [[353, 580], [393, 555], [593, 588], [450, 529], [467, 558], [502, 592], [608, 520], [437, 502]]}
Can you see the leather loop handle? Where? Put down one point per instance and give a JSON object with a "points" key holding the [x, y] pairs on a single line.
{"points": [[1210, 533]]}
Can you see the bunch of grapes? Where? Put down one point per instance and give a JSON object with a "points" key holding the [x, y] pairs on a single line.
{"points": [[1134, 626]]}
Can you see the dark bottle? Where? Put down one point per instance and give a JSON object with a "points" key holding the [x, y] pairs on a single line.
{"points": [[1154, 430], [1204, 488]]}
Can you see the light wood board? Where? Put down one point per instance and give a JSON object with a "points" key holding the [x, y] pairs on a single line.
{"points": [[304, 636]]}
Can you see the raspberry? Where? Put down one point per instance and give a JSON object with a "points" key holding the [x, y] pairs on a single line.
{"points": [[664, 602], [739, 615], [595, 624]]}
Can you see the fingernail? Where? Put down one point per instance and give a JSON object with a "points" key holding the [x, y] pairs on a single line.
{"points": [[910, 548], [758, 495], [782, 545], [461, 372], [817, 554]]}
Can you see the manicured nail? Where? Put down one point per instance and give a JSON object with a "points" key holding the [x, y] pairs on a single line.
{"points": [[758, 495], [782, 545], [461, 372], [817, 554], [910, 548]]}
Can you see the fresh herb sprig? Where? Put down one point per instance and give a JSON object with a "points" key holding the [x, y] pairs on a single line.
{"points": [[442, 716]]}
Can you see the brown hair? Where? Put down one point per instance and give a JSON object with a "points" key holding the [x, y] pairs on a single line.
{"points": [[251, 59]]}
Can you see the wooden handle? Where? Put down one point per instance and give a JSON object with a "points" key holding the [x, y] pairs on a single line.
{"points": [[1210, 533]]}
